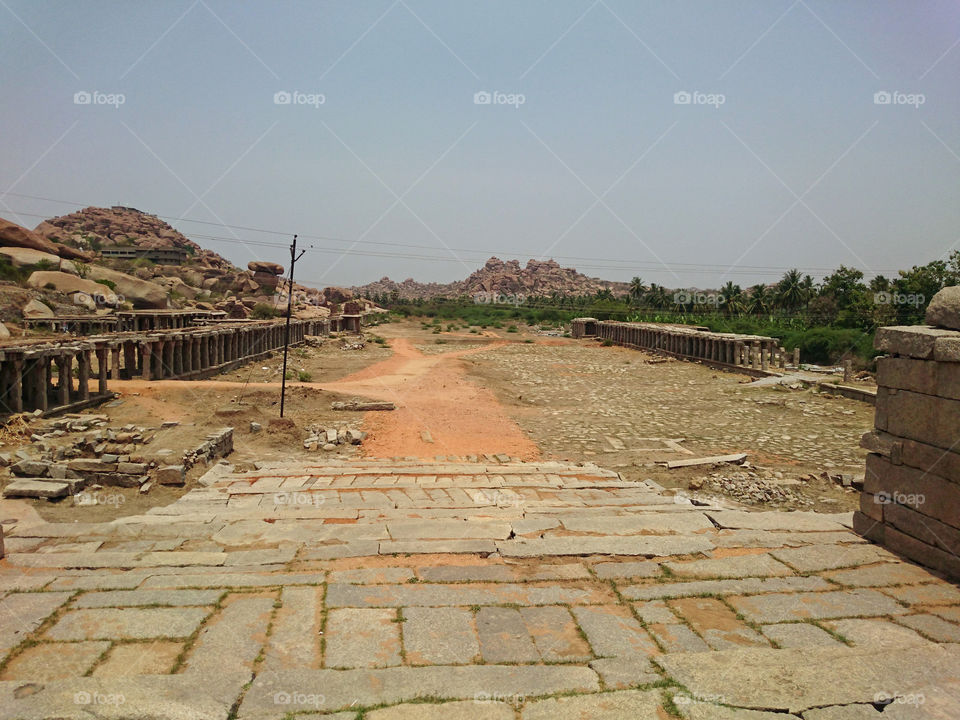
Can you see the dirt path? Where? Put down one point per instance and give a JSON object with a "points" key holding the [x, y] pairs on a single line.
{"points": [[439, 410], [435, 401]]}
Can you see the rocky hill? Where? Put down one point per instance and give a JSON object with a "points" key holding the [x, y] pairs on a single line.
{"points": [[536, 278], [61, 264]]}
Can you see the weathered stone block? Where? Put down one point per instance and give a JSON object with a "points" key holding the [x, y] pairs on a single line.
{"points": [[907, 374], [919, 551], [916, 341], [924, 492], [171, 475], [923, 528]]}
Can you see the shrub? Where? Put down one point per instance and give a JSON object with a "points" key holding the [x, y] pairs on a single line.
{"points": [[263, 311], [304, 376]]}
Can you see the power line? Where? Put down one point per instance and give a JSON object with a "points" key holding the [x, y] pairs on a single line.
{"points": [[592, 263]]}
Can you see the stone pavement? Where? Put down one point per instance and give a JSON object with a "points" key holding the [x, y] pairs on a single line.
{"points": [[393, 590]]}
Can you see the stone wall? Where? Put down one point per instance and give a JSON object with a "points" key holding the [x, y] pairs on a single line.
{"points": [[911, 497]]}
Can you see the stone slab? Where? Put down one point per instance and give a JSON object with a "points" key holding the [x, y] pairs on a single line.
{"points": [[637, 569], [127, 623], [150, 658], [632, 704], [54, 661], [131, 598], [814, 558], [724, 587], [362, 638], [792, 680], [22, 613], [170, 697], [295, 637], [502, 573], [343, 689], [613, 632], [798, 634], [439, 636], [478, 709], [639, 524], [646, 546], [779, 521], [231, 641], [341, 595], [876, 632], [431, 547], [778, 607], [625, 672], [504, 637], [730, 567], [447, 530]]}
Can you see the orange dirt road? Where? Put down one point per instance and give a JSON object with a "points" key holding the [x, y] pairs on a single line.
{"points": [[435, 401]]}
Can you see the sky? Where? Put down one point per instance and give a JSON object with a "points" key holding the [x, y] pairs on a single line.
{"points": [[688, 143]]}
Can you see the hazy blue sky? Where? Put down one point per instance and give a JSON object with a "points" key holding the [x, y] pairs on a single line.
{"points": [[600, 166]]}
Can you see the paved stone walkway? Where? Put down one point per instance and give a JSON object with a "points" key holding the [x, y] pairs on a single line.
{"points": [[394, 590]]}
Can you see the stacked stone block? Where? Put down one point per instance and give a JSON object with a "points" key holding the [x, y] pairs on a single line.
{"points": [[911, 497]]}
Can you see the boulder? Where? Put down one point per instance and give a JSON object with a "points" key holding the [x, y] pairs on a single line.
{"points": [[260, 266], [4, 333], [337, 295], [15, 235], [20, 256], [944, 309], [265, 279], [36, 309], [71, 285], [142, 293]]}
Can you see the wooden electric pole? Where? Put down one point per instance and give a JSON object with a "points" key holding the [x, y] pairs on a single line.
{"points": [[286, 336]]}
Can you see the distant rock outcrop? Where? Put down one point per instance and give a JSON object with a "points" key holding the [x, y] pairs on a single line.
{"points": [[538, 277]]}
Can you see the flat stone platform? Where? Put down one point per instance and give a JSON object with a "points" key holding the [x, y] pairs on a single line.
{"points": [[393, 590]]}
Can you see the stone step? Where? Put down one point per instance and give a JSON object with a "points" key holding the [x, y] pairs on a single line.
{"points": [[36, 488]]}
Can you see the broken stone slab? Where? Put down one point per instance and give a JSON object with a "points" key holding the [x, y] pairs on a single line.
{"points": [[780, 521], [735, 458], [363, 406], [447, 530], [36, 488], [792, 679]]}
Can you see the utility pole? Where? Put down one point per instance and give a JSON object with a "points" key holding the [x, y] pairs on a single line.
{"points": [[286, 336]]}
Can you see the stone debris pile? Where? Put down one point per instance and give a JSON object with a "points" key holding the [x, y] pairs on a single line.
{"points": [[327, 439]]}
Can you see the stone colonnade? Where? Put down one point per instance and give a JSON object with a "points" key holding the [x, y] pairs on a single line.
{"points": [[41, 377], [144, 320], [757, 352], [76, 324]]}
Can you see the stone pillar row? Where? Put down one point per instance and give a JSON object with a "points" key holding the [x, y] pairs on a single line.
{"points": [[760, 353]]}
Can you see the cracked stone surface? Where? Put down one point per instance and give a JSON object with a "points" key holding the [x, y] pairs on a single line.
{"points": [[405, 583]]}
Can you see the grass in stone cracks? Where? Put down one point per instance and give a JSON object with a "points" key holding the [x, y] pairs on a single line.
{"points": [[324, 615], [33, 639]]}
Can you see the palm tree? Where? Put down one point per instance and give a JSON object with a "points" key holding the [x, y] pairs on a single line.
{"points": [[605, 294], [759, 301], [637, 289], [732, 298], [790, 292], [657, 296]]}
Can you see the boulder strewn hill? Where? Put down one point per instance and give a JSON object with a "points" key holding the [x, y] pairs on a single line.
{"points": [[536, 278], [60, 263]]}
